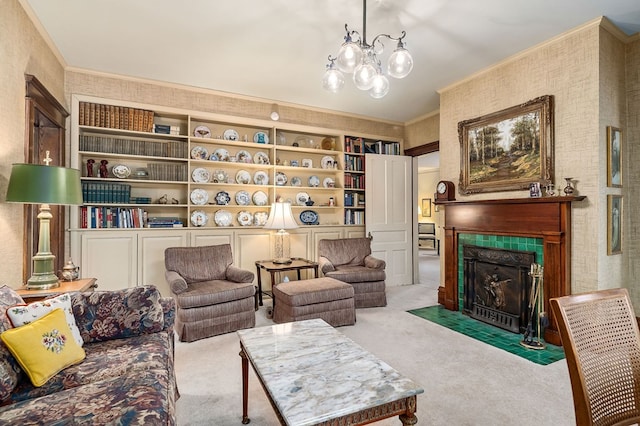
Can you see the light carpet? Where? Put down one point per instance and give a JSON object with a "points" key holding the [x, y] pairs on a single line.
{"points": [[466, 382]]}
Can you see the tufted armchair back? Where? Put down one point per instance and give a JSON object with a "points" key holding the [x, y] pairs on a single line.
{"points": [[345, 251]]}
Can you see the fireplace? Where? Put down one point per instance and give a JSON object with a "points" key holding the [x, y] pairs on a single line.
{"points": [[496, 286], [547, 219]]}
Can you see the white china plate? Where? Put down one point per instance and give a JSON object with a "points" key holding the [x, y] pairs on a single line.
{"points": [[220, 176], [261, 158], [260, 137], [281, 179], [199, 153], [200, 175], [302, 198], [121, 171], [202, 132], [243, 177], [245, 218], [261, 178], [222, 154], [260, 218], [244, 157], [243, 198], [199, 197], [327, 162], [309, 217], [231, 135], [296, 181], [199, 218], [314, 181], [222, 198], [260, 198], [328, 182], [223, 218]]}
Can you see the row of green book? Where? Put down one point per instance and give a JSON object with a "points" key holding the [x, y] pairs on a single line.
{"points": [[106, 192]]}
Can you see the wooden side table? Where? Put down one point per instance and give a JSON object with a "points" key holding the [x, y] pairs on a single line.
{"points": [[297, 264], [35, 295]]}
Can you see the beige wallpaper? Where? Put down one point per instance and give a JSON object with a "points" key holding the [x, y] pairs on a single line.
{"points": [[422, 131], [567, 68], [22, 50]]}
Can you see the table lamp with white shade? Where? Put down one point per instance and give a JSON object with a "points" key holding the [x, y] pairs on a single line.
{"points": [[44, 185], [281, 218]]}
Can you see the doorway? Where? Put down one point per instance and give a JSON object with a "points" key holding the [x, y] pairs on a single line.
{"points": [[428, 166]]}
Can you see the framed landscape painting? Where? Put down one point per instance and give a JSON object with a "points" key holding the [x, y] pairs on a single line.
{"points": [[507, 150]]}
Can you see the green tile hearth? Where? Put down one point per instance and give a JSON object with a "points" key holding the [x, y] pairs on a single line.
{"points": [[488, 334]]}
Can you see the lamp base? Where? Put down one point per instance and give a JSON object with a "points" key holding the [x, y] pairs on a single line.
{"points": [[43, 276], [282, 261]]}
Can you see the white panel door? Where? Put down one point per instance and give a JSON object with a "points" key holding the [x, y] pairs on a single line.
{"points": [[111, 258], [388, 214], [152, 246]]}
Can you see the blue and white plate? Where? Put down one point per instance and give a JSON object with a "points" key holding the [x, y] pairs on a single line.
{"points": [[261, 137], [199, 153], [222, 198], [245, 218], [309, 217], [243, 198]]}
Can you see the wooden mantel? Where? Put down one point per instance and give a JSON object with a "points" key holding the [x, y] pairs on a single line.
{"points": [[548, 218]]}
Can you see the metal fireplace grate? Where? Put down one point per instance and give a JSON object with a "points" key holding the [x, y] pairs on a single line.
{"points": [[500, 319]]}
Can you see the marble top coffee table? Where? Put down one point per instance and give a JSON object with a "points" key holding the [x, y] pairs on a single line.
{"points": [[314, 375]]}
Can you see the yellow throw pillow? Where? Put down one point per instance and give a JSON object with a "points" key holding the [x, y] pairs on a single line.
{"points": [[44, 347]]}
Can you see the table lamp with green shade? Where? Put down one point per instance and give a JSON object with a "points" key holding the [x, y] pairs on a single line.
{"points": [[281, 218], [44, 185]]}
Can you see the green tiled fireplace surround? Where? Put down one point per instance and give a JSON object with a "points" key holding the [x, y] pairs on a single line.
{"points": [[494, 241]]}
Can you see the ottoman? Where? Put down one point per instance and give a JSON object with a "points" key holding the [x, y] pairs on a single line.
{"points": [[324, 298]]}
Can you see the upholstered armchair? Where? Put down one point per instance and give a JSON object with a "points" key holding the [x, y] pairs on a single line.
{"points": [[349, 260], [212, 296]]}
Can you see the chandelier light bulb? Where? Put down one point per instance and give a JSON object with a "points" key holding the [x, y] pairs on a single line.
{"points": [[400, 62], [380, 86], [333, 80], [349, 56], [364, 74]]}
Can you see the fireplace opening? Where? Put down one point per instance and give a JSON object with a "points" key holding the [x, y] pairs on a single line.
{"points": [[496, 286]]}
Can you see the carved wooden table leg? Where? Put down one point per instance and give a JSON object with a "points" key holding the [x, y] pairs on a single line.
{"points": [[245, 386], [409, 418]]}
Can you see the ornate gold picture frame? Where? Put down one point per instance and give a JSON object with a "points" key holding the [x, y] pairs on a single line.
{"points": [[509, 149]]}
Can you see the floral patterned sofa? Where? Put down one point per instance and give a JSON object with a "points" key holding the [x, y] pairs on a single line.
{"points": [[127, 376]]}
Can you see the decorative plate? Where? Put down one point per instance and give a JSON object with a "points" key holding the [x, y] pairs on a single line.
{"points": [[328, 144], [244, 157], [314, 181], [199, 218], [296, 181], [261, 178], [200, 175], [327, 162], [243, 177], [243, 198], [213, 157], [199, 197], [261, 158], [222, 154], [309, 217], [121, 171], [231, 135], [328, 182], [260, 198], [302, 198], [202, 132], [222, 198], [220, 176], [260, 218], [199, 153], [281, 179], [245, 218], [260, 137], [223, 218]]}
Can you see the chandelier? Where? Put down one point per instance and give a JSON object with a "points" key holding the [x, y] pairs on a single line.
{"points": [[361, 59]]}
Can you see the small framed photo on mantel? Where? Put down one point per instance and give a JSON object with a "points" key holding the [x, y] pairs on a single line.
{"points": [[614, 157]]}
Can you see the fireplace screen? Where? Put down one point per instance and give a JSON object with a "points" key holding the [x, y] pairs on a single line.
{"points": [[497, 286]]}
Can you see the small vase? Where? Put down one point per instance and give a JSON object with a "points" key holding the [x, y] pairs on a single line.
{"points": [[568, 190]]}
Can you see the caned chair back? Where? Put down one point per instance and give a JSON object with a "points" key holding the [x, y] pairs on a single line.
{"points": [[601, 341]]}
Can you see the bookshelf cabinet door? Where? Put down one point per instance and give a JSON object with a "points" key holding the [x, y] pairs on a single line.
{"points": [[151, 256], [111, 258]]}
